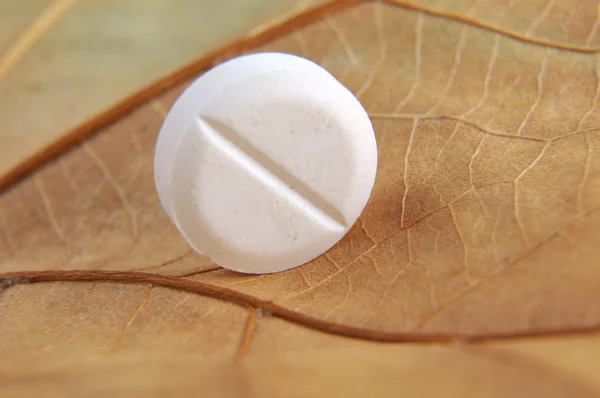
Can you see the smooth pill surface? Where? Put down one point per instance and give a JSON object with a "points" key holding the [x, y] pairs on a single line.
{"points": [[265, 162]]}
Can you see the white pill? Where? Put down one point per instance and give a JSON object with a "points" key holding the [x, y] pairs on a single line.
{"points": [[265, 162]]}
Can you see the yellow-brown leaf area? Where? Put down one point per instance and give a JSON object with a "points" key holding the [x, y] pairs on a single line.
{"points": [[482, 221]]}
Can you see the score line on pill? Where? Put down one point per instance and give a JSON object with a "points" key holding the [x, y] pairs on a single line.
{"points": [[265, 162]]}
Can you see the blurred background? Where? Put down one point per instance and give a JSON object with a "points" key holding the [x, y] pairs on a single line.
{"points": [[63, 62]]}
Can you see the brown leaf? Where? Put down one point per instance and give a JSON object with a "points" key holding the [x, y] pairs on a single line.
{"points": [[82, 339], [482, 224]]}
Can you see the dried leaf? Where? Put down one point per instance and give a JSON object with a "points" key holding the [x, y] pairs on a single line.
{"points": [[482, 223], [77, 337]]}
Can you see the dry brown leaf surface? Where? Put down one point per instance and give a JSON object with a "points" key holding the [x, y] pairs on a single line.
{"points": [[482, 222]]}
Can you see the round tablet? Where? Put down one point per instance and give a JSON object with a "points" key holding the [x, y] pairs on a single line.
{"points": [[265, 162]]}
